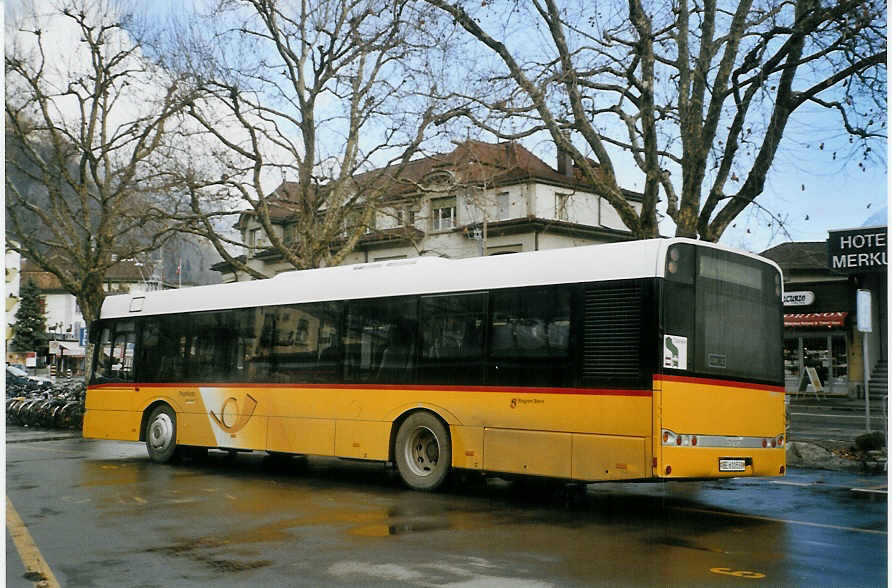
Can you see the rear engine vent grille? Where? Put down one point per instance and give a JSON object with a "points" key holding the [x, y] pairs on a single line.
{"points": [[612, 335]]}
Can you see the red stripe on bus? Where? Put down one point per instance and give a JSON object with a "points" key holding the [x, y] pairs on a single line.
{"points": [[715, 382], [502, 389]]}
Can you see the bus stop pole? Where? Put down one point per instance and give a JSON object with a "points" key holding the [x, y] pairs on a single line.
{"points": [[862, 307], [864, 346]]}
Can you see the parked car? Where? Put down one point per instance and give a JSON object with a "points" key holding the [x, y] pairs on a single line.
{"points": [[16, 375]]}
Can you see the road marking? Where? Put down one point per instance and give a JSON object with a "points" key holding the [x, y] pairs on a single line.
{"points": [[774, 520], [37, 568], [873, 490], [835, 416], [738, 573], [882, 489]]}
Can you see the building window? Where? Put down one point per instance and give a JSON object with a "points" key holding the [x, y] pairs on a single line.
{"points": [[353, 221], [289, 233], [561, 206], [253, 239], [405, 217], [503, 203], [443, 213]]}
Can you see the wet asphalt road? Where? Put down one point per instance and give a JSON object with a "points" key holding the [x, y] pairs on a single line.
{"points": [[102, 515]]}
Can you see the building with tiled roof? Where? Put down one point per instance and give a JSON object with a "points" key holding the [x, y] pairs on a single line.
{"points": [[479, 198]]}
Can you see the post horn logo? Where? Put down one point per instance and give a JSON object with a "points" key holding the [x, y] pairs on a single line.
{"points": [[231, 419]]}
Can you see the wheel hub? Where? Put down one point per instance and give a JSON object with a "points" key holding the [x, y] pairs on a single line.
{"points": [[422, 452], [161, 432]]}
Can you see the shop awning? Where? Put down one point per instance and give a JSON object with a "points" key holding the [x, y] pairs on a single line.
{"points": [[815, 319], [67, 349]]}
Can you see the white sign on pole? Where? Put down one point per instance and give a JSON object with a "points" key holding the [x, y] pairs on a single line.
{"points": [[863, 310]]}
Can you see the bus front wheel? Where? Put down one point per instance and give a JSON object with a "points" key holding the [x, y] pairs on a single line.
{"points": [[161, 434], [423, 451]]}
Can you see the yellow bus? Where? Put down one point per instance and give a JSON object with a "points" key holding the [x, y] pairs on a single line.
{"points": [[646, 360]]}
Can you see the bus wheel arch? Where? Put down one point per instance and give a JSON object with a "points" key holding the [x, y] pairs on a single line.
{"points": [[159, 431], [421, 447]]}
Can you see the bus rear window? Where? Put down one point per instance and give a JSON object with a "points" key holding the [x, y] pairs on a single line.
{"points": [[737, 318], [725, 309]]}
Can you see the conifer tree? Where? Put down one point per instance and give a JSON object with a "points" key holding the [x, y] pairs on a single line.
{"points": [[29, 331]]}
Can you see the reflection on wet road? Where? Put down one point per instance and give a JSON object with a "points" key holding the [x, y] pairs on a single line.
{"points": [[103, 515]]}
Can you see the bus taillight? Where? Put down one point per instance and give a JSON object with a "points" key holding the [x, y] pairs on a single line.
{"points": [[670, 438]]}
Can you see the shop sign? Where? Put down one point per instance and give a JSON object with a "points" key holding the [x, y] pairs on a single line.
{"points": [[856, 251], [803, 298], [816, 319]]}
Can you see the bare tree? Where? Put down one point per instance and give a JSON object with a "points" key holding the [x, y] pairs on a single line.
{"points": [[85, 145], [697, 94], [301, 101]]}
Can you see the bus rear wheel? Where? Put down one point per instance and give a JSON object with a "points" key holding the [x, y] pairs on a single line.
{"points": [[161, 434], [423, 451]]}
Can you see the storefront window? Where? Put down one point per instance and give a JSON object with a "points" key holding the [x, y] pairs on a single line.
{"points": [[792, 363], [840, 365], [826, 353]]}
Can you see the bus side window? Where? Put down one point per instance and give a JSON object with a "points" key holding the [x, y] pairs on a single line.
{"points": [[380, 331], [452, 338], [301, 342], [529, 341]]}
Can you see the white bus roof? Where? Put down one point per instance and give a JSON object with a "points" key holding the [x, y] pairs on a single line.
{"points": [[420, 275]]}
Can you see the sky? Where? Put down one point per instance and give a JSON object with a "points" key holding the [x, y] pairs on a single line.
{"points": [[807, 188]]}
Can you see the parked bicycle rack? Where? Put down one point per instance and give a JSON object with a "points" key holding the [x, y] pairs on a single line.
{"points": [[41, 404]]}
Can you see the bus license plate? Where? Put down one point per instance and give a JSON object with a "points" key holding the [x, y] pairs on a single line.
{"points": [[732, 465]]}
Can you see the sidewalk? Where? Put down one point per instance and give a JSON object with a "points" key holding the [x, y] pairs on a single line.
{"points": [[878, 405], [20, 434]]}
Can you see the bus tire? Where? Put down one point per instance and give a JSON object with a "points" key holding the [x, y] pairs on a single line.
{"points": [[161, 434], [423, 451]]}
